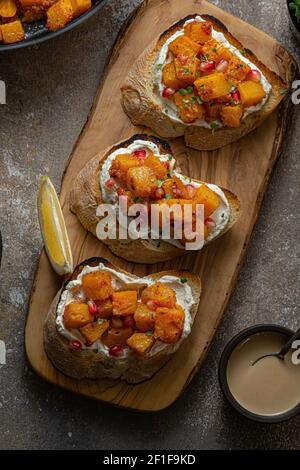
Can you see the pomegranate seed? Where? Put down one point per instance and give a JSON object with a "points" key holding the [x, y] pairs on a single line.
{"points": [[177, 193], [117, 323], [110, 183], [222, 65], [140, 154], [191, 190], [128, 322], [158, 194], [93, 309], [254, 76], [116, 351], [236, 96], [209, 222], [167, 92], [166, 164], [120, 191], [153, 304], [75, 345], [207, 66]]}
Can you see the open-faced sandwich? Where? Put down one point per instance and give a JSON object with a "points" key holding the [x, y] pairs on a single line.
{"points": [[144, 169], [198, 81], [105, 322]]}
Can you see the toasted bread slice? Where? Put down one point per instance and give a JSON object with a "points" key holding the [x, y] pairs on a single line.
{"points": [[91, 364], [85, 197], [141, 102]]}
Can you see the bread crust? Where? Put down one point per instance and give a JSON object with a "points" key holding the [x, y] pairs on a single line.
{"points": [[141, 104], [85, 196], [87, 364]]}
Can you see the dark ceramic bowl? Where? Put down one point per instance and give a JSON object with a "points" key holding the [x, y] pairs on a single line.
{"points": [[295, 26], [233, 343], [37, 32]]}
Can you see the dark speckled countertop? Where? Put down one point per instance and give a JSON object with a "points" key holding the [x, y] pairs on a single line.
{"points": [[50, 89]]}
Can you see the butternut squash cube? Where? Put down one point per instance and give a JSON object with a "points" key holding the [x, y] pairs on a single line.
{"points": [[212, 86], [124, 303], [140, 343], [157, 167], [169, 324], [231, 115], [204, 195], [116, 336], [59, 15], [162, 294], [125, 162], [187, 68], [97, 285], [183, 45], [94, 331], [77, 315], [251, 93], [237, 70], [144, 318], [169, 77], [80, 6], [12, 32], [210, 50], [200, 32], [189, 107], [105, 308], [223, 53], [8, 8], [212, 111], [141, 181]]}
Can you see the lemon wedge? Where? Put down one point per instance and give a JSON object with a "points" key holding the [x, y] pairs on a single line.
{"points": [[53, 228]]}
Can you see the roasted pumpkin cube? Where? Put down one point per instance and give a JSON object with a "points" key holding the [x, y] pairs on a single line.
{"points": [[59, 15], [80, 6], [116, 336], [209, 50], [231, 116], [169, 77], [97, 285], [237, 70], [189, 106], [104, 307], [183, 45], [212, 86], [77, 315], [94, 331], [124, 303], [140, 343], [161, 294], [141, 181], [169, 324], [123, 163], [199, 31], [12, 32], [251, 93], [212, 111], [157, 167], [144, 318], [187, 68], [223, 53], [206, 196], [8, 8]]}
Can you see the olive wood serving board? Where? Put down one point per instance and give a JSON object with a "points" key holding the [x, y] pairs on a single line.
{"points": [[244, 167]]}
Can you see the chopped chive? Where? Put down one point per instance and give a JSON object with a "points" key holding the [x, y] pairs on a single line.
{"points": [[170, 157], [214, 126], [168, 196], [183, 280], [200, 101], [182, 91], [149, 333], [166, 110], [137, 200], [190, 89], [159, 66], [242, 51]]}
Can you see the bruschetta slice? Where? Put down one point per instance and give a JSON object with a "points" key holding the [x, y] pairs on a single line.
{"points": [[107, 323], [144, 169], [198, 81]]}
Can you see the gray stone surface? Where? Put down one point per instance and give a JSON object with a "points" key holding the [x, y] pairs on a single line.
{"points": [[50, 89]]}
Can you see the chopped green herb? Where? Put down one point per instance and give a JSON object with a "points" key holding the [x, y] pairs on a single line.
{"points": [[200, 101], [166, 111], [137, 200], [160, 183], [193, 99], [169, 175], [159, 66], [242, 51], [283, 91], [214, 49], [214, 126], [186, 71], [232, 102], [223, 215], [190, 89], [183, 91], [149, 333], [168, 196], [170, 157], [186, 100], [295, 7], [241, 66], [183, 280]]}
